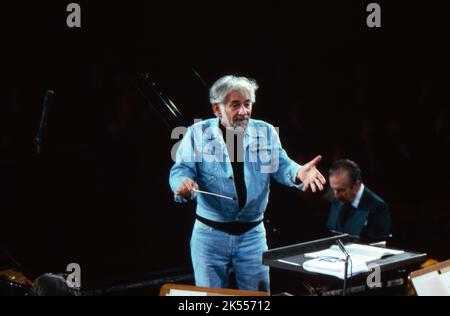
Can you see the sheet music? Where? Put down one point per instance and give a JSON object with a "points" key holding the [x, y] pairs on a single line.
{"points": [[335, 266], [357, 252], [331, 261], [432, 284]]}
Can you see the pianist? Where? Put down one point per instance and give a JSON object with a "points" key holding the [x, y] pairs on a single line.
{"points": [[356, 210]]}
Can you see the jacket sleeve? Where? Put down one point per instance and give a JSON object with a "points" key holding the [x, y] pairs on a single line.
{"points": [[285, 169], [379, 222], [185, 166]]}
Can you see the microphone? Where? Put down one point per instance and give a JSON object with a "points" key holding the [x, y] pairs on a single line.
{"points": [[48, 98], [336, 232], [342, 247]]}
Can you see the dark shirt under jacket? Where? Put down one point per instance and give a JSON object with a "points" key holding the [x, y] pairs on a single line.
{"points": [[237, 163]]}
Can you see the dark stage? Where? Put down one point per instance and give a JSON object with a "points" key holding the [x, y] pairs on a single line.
{"points": [[98, 194]]}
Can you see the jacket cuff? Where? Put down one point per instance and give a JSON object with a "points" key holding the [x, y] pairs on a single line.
{"points": [[295, 181]]}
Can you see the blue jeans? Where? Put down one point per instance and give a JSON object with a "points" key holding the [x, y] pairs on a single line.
{"points": [[214, 252]]}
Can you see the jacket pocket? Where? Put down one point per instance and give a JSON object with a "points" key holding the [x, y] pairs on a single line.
{"points": [[210, 161]]}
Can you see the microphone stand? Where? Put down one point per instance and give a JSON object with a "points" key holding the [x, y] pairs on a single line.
{"points": [[43, 122], [347, 256]]}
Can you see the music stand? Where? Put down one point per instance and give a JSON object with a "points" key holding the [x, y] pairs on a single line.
{"points": [[292, 257]]}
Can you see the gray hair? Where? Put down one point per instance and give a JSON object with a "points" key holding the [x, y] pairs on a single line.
{"points": [[220, 89]]}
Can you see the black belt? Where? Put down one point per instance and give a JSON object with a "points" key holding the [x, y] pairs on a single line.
{"points": [[232, 228]]}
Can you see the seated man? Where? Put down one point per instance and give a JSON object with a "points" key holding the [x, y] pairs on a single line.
{"points": [[356, 210]]}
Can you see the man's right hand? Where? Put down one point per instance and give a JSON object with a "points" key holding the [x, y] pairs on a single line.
{"points": [[186, 188]]}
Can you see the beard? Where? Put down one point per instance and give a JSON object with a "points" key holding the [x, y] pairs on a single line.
{"points": [[240, 122]]}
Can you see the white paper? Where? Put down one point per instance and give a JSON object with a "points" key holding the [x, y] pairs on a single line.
{"points": [[335, 267], [357, 252], [175, 292], [432, 284]]}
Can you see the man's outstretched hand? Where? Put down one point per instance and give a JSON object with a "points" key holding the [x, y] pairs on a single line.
{"points": [[310, 176], [186, 188]]}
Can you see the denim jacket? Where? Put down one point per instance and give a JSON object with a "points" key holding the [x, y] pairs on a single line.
{"points": [[202, 156]]}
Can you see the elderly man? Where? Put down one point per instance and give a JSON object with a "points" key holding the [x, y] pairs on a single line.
{"points": [[356, 210], [226, 164]]}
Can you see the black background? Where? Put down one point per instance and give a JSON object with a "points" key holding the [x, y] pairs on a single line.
{"points": [[98, 194]]}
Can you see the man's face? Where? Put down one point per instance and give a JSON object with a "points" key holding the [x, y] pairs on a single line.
{"points": [[342, 186], [236, 110]]}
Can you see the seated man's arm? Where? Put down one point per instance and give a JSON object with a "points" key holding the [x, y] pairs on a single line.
{"points": [[379, 223]]}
